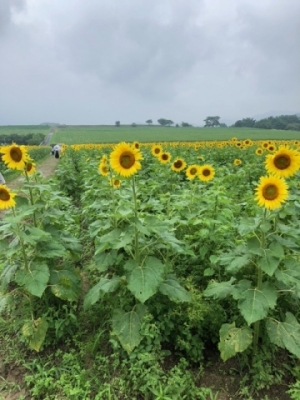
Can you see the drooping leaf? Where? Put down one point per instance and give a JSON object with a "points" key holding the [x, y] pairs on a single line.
{"points": [[105, 285], [233, 340], [126, 326], [105, 260], [172, 288], [289, 274], [255, 304], [50, 249], [35, 332], [35, 280], [144, 279], [219, 290], [65, 283], [285, 334]]}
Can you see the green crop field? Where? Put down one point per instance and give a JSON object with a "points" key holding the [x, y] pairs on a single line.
{"points": [[24, 129], [112, 134]]}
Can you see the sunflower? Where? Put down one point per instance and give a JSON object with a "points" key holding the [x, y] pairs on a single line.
{"points": [[14, 156], [259, 151], [30, 168], [124, 159], [6, 198], [192, 171], [103, 168], [237, 161], [271, 148], [271, 192], [156, 150], [284, 163], [115, 183], [206, 172], [178, 165], [164, 157], [136, 145]]}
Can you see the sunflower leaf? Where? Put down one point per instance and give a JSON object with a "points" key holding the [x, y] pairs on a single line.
{"points": [[144, 280], [35, 279], [233, 340]]}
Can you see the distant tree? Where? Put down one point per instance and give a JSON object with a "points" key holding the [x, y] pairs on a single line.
{"points": [[117, 123], [211, 122], [238, 124], [165, 122], [149, 122], [186, 125], [223, 125], [177, 126], [133, 125]]}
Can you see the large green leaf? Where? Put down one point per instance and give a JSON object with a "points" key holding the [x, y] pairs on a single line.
{"points": [[171, 288], [65, 283], [50, 249], [105, 285], [233, 340], [126, 326], [35, 333], [255, 304], [35, 279], [144, 279], [285, 334], [219, 290], [289, 274]]}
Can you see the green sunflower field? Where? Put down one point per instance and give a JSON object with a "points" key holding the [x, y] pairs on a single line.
{"points": [[153, 270]]}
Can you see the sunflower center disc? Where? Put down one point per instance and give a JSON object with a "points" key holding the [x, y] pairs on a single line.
{"points": [[178, 164], [127, 160], [4, 195], [270, 192], [29, 167], [165, 157], [206, 172], [156, 151], [16, 154], [193, 171], [282, 162]]}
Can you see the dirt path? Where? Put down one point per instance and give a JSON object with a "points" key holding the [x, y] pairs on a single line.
{"points": [[46, 168]]}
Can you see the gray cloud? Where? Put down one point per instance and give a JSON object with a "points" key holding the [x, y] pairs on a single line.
{"points": [[99, 61]]}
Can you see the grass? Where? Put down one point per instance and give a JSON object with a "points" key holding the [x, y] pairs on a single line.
{"points": [[23, 129]]}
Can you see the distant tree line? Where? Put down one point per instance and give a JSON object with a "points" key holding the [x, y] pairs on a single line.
{"points": [[285, 122], [30, 139]]}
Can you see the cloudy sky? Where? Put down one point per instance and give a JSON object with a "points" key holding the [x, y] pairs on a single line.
{"points": [[98, 61]]}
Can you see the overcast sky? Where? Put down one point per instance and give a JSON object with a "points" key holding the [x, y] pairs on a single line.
{"points": [[98, 61]]}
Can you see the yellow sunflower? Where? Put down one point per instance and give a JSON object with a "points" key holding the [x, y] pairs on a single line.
{"points": [[165, 157], [115, 183], [125, 160], [284, 163], [237, 161], [271, 192], [178, 165], [136, 145], [14, 156], [156, 150], [6, 198], [259, 151], [103, 168], [30, 168], [206, 172], [192, 171]]}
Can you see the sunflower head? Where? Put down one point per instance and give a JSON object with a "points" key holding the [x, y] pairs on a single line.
{"points": [[156, 150], [164, 157], [6, 198], [271, 192], [125, 159], [115, 183], [192, 171], [206, 173], [30, 168], [136, 145], [284, 163], [15, 156], [237, 161], [259, 151], [178, 165], [103, 168]]}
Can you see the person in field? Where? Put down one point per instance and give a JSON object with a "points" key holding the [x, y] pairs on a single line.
{"points": [[56, 149]]}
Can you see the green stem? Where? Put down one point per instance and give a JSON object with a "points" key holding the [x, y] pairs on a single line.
{"points": [[136, 232], [22, 247], [31, 199], [256, 326]]}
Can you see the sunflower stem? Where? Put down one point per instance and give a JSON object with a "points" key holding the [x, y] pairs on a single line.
{"points": [[22, 246], [259, 282], [31, 198], [136, 232]]}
